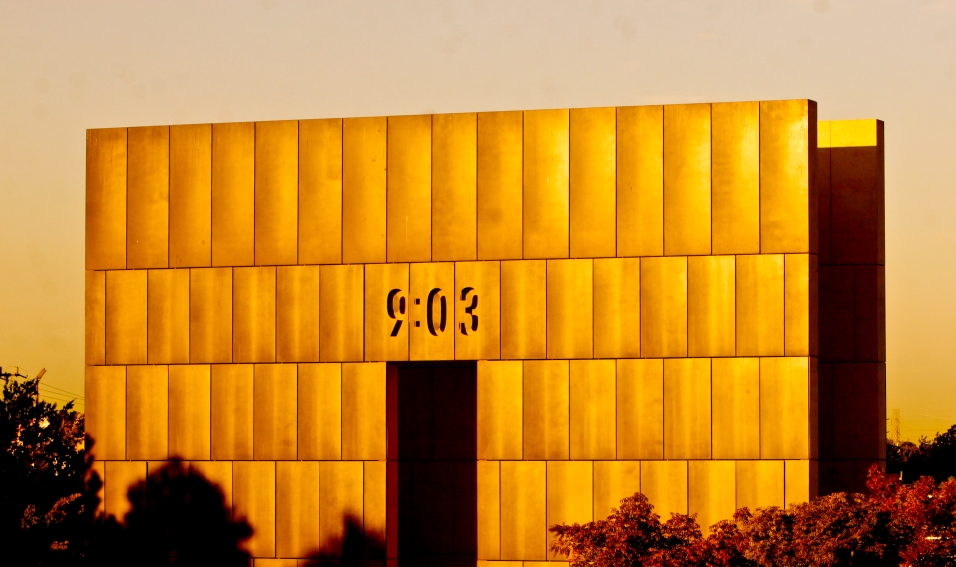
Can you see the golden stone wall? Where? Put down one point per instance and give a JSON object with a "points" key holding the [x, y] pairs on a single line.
{"points": [[639, 286]]}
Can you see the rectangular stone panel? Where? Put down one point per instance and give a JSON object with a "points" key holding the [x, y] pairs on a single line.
{"points": [[736, 408], [546, 408], [409, 189], [106, 411], [593, 176], [254, 498], [297, 509], [801, 305], [870, 313], [190, 196], [711, 491], [687, 179], [500, 409], [454, 186], [665, 485], [570, 495], [736, 178], [822, 184], [119, 477], [340, 307], [711, 313], [233, 194], [500, 165], [760, 305], [478, 312], [640, 181], [106, 199], [95, 317], [784, 408], [489, 509], [219, 474], [276, 192], [760, 484], [614, 481], [375, 508], [147, 197], [857, 192], [545, 208], [523, 309], [432, 311], [320, 191], [640, 409], [340, 503], [387, 313], [363, 189], [363, 411]]}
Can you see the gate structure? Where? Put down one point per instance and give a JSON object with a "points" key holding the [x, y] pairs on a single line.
{"points": [[428, 338]]}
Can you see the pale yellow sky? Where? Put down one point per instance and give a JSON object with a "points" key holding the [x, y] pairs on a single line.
{"points": [[69, 66]]}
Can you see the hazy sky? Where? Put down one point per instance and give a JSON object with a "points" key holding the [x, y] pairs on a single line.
{"points": [[68, 66]]}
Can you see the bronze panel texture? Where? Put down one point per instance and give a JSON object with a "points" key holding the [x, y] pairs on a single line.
{"points": [[665, 485], [319, 399], [687, 410], [233, 194], [432, 311], [617, 308], [167, 316], [663, 307], [640, 409], [106, 411], [524, 519], [640, 181], [387, 314], [801, 326], [190, 196], [760, 305], [489, 509], [593, 176], [454, 189], [340, 501], [857, 194], [500, 394], [219, 473], [736, 178], [95, 312], [147, 413], [478, 312], [274, 412], [106, 199], [297, 314], [570, 498], [711, 491], [363, 411], [254, 314], [189, 412], [546, 185], [409, 189], [546, 410], [375, 504], [147, 197], [210, 315], [320, 191], [614, 481], [710, 306], [126, 317], [276, 192], [254, 498], [687, 177], [736, 407], [787, 203], [119, 477], [500, 166], [523, 309], [363, 189], [340, 305], [232, 392], [760, 484], [784, 408], [297, 509], [593, 422], [570, 308]]}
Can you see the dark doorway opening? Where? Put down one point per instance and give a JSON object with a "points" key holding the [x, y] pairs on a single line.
{"points": [[432, 463]]}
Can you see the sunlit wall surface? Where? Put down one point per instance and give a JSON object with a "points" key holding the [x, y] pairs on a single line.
{"points": [[683, 300]]}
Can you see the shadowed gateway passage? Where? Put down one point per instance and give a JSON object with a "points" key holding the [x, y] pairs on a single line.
{"points": [[432, 451]]}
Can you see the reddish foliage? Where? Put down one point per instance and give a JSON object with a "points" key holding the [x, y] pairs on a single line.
{"points": [[894, 524]]}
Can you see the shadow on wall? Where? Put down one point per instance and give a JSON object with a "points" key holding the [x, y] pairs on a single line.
{"points": [[177, 517]]}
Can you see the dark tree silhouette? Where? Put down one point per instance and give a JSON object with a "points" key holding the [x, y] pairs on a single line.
{"points": [[935, 458]]}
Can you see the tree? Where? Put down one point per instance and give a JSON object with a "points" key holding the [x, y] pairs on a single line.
{"points": [[41, 474], [936, 458], [894, 524]]}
